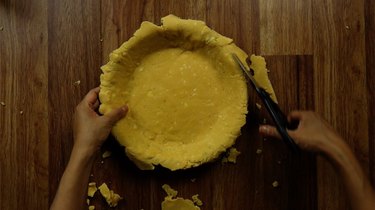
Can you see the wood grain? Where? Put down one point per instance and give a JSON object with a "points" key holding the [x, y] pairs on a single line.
{"points": [[286, 27], [294, 74], [320, 53], [74, 55], [370, 79], [339, 57], [24, 118]]}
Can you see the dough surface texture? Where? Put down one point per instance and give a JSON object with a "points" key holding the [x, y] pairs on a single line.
{"points": [[187, 97]]}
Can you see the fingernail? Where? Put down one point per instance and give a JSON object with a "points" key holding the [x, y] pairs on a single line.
{"points": [[264, 129]]}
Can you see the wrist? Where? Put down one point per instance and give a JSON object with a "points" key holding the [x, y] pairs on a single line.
{"points": [[337, 151], [83, 152], [80, 161]]}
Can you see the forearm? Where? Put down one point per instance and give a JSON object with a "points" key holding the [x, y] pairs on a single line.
{"points": [[356, 183], [72, 190]]}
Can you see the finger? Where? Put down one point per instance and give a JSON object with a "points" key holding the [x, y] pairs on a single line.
{"points": [[92, 96], [269, 131], [115, 115], [295, 116], [95, 105]]}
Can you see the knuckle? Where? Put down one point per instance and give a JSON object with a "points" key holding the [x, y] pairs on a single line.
{"points": [[78, 108]]}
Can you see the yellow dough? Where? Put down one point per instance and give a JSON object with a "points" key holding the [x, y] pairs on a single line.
{"points": [[178, 204], [187, 97], [91, 189], [258, 64], [172, 202], [231, 156], [111, 197]]}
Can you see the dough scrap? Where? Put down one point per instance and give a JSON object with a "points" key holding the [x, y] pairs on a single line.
{"points": [[170, 192], [231, 156], [111, 197], [172, 203], [187, 97], [196, 200], [258, 64], [178, 204], [91, 189]]}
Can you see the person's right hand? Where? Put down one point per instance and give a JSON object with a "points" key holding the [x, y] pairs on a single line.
{"points": [[313, 132], [90, 128]]}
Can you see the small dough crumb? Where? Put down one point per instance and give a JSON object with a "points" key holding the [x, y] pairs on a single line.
{"points": [[88, 201], [111, 197], [196, 200], [170, 192], [78, 82], [1, 28], [275, 184], [347, 27], [232, 155], [21, 112], [259, 151], [258, 106], [101, 162], [91, 207], [91, 190], [106, 154], [2, 103]]}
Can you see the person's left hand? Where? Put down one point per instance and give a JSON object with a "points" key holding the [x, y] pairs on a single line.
{"points": [[90, 129]]}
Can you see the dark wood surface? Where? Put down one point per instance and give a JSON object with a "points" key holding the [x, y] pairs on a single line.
{"points": [[320, 53]]}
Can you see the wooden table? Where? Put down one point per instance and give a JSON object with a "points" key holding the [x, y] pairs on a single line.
{"points": [[320, 53]]}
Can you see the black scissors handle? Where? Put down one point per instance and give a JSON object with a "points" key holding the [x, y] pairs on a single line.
{"points": [[279, 119]]}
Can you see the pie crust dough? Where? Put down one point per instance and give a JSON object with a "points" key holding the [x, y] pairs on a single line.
{"points": [[187, 97]]}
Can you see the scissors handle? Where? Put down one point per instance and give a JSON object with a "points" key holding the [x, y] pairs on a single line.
{"points": [[279, 119]]}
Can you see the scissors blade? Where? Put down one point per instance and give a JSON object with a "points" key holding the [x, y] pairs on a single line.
{"points": [[247, 72], [273, 109]]}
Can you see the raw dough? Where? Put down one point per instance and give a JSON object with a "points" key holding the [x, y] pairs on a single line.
{"points": [[258, 64], [187, 97], [178, 204], [111, 197], [172, 203], [196, 200], [91, 190], [170, 192], [231, 156]]}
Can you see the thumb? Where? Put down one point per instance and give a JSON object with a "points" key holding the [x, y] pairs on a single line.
{"points": [[115, 115], [269, 131]]}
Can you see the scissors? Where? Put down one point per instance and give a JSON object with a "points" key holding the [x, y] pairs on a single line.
{"points": [[273, 109]]}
